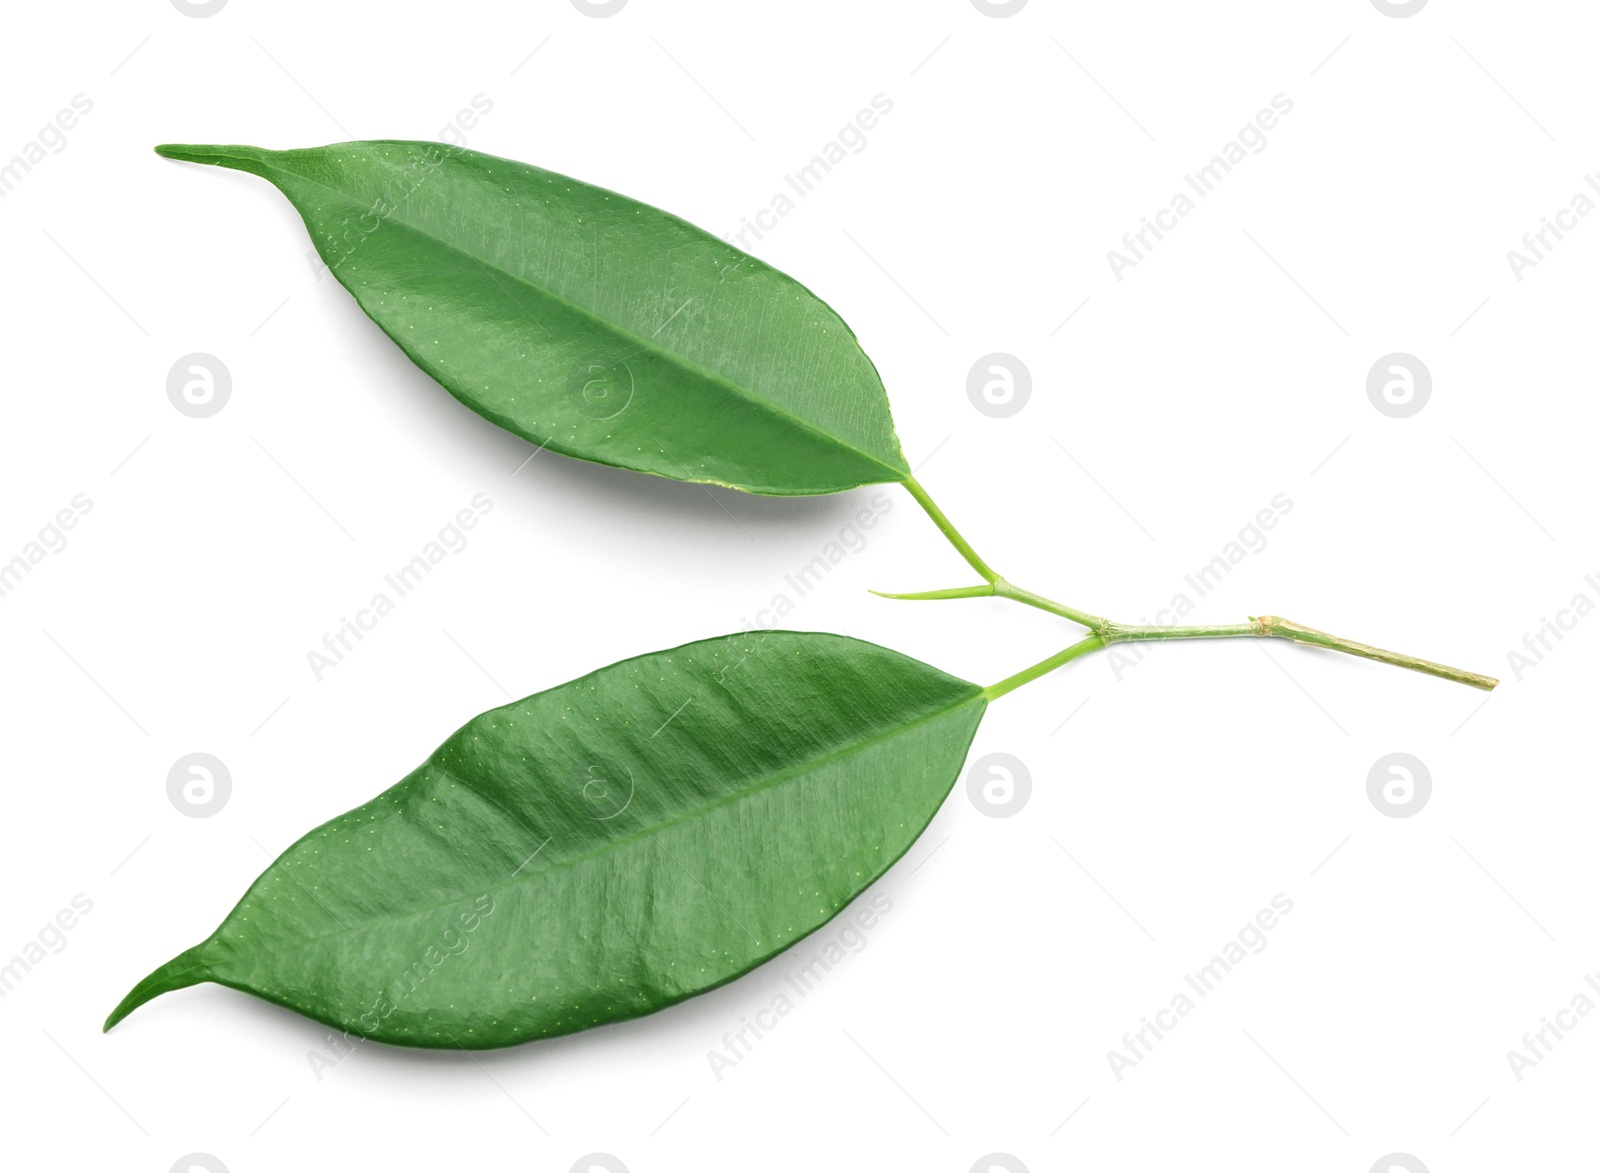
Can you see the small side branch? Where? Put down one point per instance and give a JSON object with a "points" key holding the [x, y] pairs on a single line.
{"points": [[981, 591]]}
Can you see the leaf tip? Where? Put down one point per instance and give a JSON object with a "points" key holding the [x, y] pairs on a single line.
{"points": [[215, 156], [186, 969]]}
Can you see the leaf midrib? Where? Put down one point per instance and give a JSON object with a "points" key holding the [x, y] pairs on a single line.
{"points": [[649, 345]]}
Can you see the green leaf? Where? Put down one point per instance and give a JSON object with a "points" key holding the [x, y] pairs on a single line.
{"points": [[587, 322], [603, 849]]}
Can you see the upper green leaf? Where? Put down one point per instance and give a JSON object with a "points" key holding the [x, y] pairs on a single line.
{"points": [[603, 849], [587, 322]]}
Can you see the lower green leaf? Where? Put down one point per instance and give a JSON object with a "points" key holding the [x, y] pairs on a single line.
{"points": [[603, 849]]}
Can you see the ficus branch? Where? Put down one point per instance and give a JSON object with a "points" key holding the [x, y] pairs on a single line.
{"points": [[1104, 632]]}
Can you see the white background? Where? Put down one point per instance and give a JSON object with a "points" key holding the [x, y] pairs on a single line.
{"points": [[1182, 794]]}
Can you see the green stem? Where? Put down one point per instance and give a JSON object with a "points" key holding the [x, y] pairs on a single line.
{"points": [[1268, 626], [994, 585], [1008, 591], [1276, 627], [949, 531], [1088, 643], [1105, 631]]}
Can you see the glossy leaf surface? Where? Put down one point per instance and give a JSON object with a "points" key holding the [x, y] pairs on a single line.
{"points": [[603, 849], [588, 322]]}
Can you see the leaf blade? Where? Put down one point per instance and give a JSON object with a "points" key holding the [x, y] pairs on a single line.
{"points": [[603, 849], [588, 322]]}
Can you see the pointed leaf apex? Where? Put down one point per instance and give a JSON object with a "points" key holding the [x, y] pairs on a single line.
{"points": [[186, 969], [238, 157], [190, 154]]}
